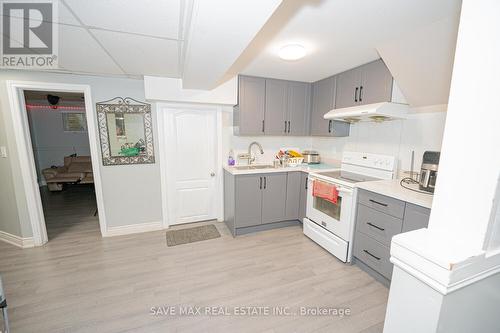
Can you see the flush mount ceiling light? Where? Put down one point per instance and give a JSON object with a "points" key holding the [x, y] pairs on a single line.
{"points": [[292, 52]]}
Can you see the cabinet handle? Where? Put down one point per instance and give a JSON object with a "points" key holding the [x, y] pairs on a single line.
{"points": [[378, 203], [356, 95], [374, 256], [330, 126], [285, 126], [289, 126], [263, 126], [361, 93], [260, 183], [265, 182], [375, 226], [307, 181]]}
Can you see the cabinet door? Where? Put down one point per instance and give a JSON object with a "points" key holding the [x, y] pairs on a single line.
{"points": [[340, 128], [251, 100], [376, 83], [248, 200], [348, 84], [303, 196], [293, 192], [416, 217], [323, 97], [274, 197], [276, 107], [299, 108]]}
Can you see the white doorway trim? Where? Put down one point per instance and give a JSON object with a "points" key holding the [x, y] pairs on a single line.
{"points": [[162, 110], [25, 150]]}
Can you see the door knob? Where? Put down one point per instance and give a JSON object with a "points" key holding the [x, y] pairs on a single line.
{"points": [[212, 174]]}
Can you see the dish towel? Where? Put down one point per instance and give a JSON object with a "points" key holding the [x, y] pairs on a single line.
{"points": [[325, 191]]}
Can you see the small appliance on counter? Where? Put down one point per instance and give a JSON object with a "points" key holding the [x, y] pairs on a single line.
{"points": [[311, 157], [428, 171]]}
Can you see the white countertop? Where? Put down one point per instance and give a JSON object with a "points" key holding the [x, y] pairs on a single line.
{"points": [[303, 167], [393, 189]]}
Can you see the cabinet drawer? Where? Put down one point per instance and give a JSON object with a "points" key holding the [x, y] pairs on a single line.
{"points": [[378, 225], [373, 254], [382, 203]]}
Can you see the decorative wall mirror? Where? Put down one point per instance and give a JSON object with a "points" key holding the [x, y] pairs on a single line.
{"points": [[125, 130]]}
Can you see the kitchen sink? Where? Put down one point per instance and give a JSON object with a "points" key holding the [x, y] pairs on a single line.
{"points": [[253, 167]]}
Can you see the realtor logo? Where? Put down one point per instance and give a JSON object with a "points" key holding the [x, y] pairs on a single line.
{"points": [[29, 34]]}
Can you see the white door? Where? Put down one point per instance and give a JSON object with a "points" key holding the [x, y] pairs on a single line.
{"points": [[191, 165]]}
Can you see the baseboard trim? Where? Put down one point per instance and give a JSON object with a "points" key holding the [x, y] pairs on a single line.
{"points": [[133, 229], [21, 242]]}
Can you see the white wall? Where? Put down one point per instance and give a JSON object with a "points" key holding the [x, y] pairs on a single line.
{"points": [[420, 132], [131, 192], [50, 142]]}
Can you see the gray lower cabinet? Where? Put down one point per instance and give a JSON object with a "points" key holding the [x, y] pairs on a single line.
{"points": [[323, 100], [274, 196], [261, 200], [248, 200], [378, 219], [303, 196], [248, 116], [293, 195], [416, 217]]}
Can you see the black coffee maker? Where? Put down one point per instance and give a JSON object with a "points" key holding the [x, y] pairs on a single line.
{"points": [[428, 171]]}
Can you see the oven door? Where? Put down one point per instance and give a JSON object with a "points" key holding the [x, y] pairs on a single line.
{"points": [[335, 218]]}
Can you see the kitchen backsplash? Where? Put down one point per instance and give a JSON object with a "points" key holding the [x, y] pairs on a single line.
{"points": [[420, 132]]}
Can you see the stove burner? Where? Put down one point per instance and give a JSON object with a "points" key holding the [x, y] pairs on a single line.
{"points": [[346, 176]]}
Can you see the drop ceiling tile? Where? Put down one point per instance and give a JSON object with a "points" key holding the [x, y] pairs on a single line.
{"points": [[79, 52], [140, 55], [149, 17]]}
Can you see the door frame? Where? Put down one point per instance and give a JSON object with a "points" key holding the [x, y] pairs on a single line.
{"points": [[162, 119], [15, 91]]}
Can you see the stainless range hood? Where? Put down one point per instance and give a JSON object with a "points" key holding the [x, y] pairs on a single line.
{"points": [[377, 112]]}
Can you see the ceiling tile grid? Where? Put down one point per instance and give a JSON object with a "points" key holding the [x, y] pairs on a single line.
{"points": [[122, 37]]}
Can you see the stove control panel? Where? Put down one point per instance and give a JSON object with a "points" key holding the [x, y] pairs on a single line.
{"points": [[383, 162]]}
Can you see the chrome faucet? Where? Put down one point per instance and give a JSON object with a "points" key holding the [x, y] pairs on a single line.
{"points": [[248, 156]]}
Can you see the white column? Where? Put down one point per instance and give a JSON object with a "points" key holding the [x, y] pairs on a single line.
{"points": [[447, 277]]}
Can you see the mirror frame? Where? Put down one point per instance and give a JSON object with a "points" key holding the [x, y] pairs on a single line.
{"points": [[125, 105]]}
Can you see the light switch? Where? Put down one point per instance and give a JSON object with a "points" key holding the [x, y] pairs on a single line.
{"points": [[3, 151]]}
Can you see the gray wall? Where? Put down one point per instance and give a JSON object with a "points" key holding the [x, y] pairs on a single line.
{"points": [[50, 142], [131, 193]]}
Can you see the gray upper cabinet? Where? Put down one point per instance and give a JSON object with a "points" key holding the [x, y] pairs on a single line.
{"points": [[250, 111], [248, 201], [367, 84], [288, 105], [299, 108], [376, 83], [273, 197], [322, 101], [276, 107], [348, 84], [293, 195]]}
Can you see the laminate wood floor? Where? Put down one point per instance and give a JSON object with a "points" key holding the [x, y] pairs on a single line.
{"points": [[80, 282]]}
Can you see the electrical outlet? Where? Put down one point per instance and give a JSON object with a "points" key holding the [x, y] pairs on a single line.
{"points": [[3, 151]]}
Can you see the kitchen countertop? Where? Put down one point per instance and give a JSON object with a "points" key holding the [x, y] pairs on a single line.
{"points": [[393, 189], [303, 167]]}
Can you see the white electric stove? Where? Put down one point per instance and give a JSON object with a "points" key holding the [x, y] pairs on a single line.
{"points": [[332, 225]]}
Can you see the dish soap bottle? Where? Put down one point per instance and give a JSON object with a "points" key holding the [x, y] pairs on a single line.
{"points": [[230, 158]]}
